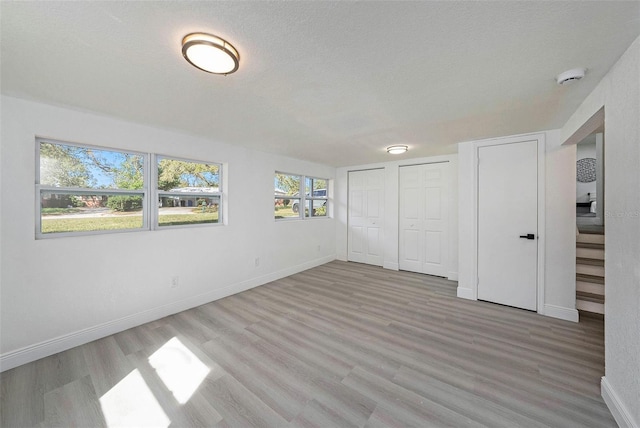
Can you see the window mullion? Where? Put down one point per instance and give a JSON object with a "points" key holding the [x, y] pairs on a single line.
{"points": [[303, 199], [152, 180], [86, 191]]}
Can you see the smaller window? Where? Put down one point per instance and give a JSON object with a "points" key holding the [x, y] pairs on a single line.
{"points": [[188, 192], [287, 196], [316, 197], [292, 202]]}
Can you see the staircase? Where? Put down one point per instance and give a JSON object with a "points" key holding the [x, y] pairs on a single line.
{"points": [[590, 271]]}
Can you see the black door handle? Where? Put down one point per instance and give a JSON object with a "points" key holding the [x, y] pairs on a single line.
{"points": [[528, 236]]}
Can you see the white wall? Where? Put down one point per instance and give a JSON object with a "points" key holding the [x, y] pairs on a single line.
{"points": [[619, 93], [392, 207], [560, 229], [558, 232], [58, 293]]}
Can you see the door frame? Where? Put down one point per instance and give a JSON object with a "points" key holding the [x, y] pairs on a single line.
{"points": [[540, 138]]}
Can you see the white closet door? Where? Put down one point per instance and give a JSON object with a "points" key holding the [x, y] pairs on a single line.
{"points": [[508, 224], [424, 219], [366, 216]]}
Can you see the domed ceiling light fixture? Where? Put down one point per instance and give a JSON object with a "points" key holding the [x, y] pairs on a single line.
{"points": [[210, 53], [397, 149]]}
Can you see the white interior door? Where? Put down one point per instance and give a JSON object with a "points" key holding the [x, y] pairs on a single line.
{"points": [[424, 224], [508, 224], [366, 216]]}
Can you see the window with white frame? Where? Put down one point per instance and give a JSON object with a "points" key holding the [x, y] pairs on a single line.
{"points": [[188, 192], [86, 190], [300, 197]]}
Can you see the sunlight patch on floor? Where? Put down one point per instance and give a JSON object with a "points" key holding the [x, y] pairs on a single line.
{"points": [[180, 369], [130, 403]]}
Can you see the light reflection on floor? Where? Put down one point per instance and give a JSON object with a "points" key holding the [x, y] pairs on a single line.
{"points": [[180, 370], [130, 403]]}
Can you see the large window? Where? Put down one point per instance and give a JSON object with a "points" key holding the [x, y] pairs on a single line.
{"points": [[188, 192], [88, 189], [84, 189], [299, 197]]}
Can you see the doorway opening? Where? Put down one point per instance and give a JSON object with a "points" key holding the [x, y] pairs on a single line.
{"points": [[590, 216], [590, 181], [590, 201]]}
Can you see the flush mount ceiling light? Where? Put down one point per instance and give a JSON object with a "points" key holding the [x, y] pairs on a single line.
{"points": [[397, 149], [210, 53], [570, 76]]}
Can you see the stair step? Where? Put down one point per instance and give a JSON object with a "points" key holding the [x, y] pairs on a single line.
{"points": [[589, 287], [582, 315], [591, 229], [590, 238], [590, 253], [596, 308], [589, 297], [589, 261], [590, 245], [587, 269], [589, 278]]}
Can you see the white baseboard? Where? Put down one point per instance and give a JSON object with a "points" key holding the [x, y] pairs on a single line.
{"points": [[452, 276], [561, 312], [616, 407], [43, 349], [391, 266], [466, 293]]}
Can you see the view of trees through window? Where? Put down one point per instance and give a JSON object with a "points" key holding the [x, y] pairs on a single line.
{"points": [[289, 200], [84, 189], [188, 192]]}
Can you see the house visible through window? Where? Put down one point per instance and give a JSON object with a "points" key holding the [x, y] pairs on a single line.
{"points": [[88, 189], [292, 202], [84, 189], [188, 192]]}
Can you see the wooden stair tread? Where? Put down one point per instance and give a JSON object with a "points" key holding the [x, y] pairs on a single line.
{"points": [[589, 278], [589, 297], [591, 307], [591, 230], [593, 315], [592, 262], [590, 245], [590, 286]]}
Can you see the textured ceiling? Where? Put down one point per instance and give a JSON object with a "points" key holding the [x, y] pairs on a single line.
{"points": [[331, 82]]}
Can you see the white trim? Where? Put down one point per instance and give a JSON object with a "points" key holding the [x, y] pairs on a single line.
{"points": [[391, 265], [620, 413], [542, 186], [452, 276], [466, 293], [541, 143], [567, 314], [43, 349], [587, 128]]}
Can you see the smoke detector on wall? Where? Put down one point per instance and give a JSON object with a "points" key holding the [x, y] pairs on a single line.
{"points": [[570, 76]]}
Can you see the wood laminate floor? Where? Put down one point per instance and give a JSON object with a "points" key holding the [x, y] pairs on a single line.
{"points": [[341, 345]]}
